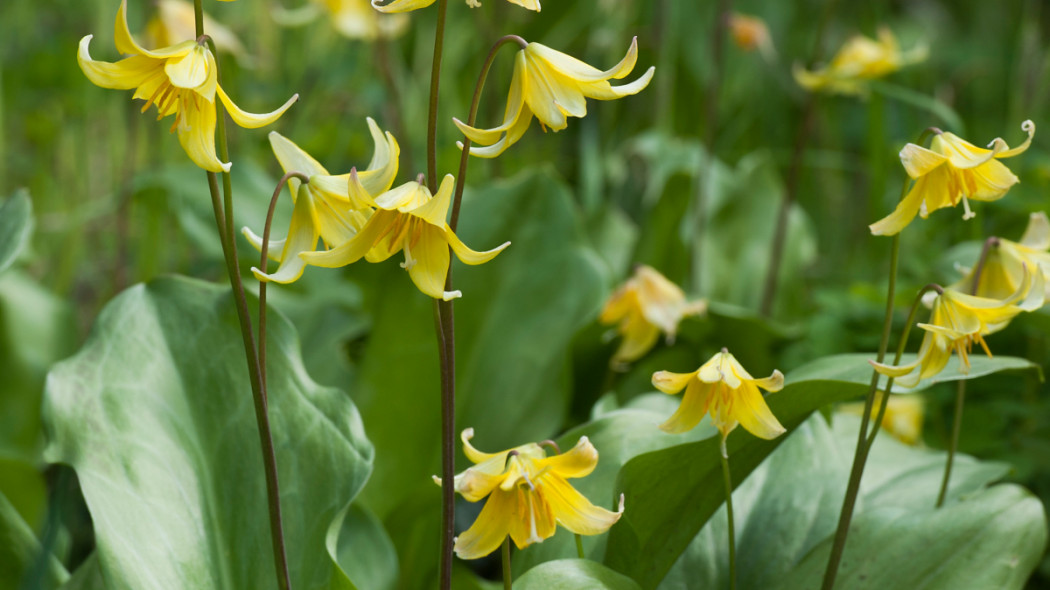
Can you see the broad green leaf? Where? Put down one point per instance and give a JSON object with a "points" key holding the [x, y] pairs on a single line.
{"points": [[790, 504], [365, 551], [855, 368], [20, 559], [87, 576], [155, 414], [573, 574], [649, 539], [16, 223]]}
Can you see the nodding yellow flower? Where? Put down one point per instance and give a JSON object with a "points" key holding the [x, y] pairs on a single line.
{"points": [[552, 86], [722, 388], [354, 19], [953, 169], [957, 322], [410, 5], [174, 23], [181, 80], [751, 33], [1004, 265], [528, 496], [903, 417], [859, 60], [644, 306], [323, 207], [406, 218]]}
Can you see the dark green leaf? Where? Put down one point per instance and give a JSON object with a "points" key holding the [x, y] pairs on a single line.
{"points": [[20, 554]]}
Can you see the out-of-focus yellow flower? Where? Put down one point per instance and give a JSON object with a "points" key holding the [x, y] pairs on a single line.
{"points": [[323, 207], [953, 169], [1005, 262], [552, 86], [354, 19], [722, 388], [957, 322], [406, 218], [174, 23], [644, 306], [528, 495], [751, 33], [903, 417], [181, 80], [410, 5], [860, 59]]}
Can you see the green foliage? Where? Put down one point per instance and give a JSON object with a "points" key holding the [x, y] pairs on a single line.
{"points": [[20, 557], [574, 574], [155, 414], [16, 224]]}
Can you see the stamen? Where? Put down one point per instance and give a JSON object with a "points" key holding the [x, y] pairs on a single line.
{"points": [[966, 207]]}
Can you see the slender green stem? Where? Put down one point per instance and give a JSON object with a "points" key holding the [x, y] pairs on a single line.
{"points": [[960, 399], [435, 83], [224, 222], [464, 157], [507, 578], [860, 454], [263, 259], [579, 546], [198, 18], [729, 515], [769, 289]]}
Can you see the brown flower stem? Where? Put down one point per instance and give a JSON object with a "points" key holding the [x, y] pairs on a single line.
{"points": [[506, 564], [769, 289], [263, 259], [960, 399], [727, 478], [435, 82], [224, 223], [461, 179]]}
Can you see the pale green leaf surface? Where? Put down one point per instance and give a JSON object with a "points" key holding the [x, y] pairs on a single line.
{"points": [[155, 413], [854, 368], [19, 551], [573, 574], [16, 224], [88, 576]]}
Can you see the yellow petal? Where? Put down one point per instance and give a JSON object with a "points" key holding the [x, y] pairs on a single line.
{"points": [[353, 250], [672, 383], [401, 6], [382, 170], [273, 252], [333, 218], [435, 210], [127, 45], [579, 71], [430, 254], [639, 337], [127, 73], [490, 528], [252, 120], [197, 132], [1037, 233], [574, 511], [692, 409], [906, 210], [752, 412], [1028, 127], [189, 71], [472, 453], [962, 154], [521, 125], [578, 461], [549, 96], [774, 382], [405, 198], [294, 159], [468, 256], [603, 91], [919, 161], [512, 114], [535, 520], [302, 237], [529, 4]]}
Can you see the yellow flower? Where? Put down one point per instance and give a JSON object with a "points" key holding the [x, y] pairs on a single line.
{"points": [[552, 86], [903, 417], [957, 322], [323, 207], [1004, 265], [406, 218], [860, 59], [528, 495], [174, 23], [952, 169], [723, 389], [354, 19], [410, 5], [644, 306], [181, 80]]}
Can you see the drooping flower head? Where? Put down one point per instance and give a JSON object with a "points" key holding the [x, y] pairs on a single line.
{"points": [[528, 496], [1005, 263], [903, 417], [953, 169], [644, 306], [960, 320], [406, 218], [859, 60], [181, 80], [323, 207], [722, 388], [354, 19], [174, 23], [410, 5], [552, 86]]}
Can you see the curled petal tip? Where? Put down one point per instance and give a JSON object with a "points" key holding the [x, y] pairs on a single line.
{"points": [[620, 508], [436, 479]]}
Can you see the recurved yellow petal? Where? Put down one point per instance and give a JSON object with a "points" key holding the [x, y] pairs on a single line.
{"points": [[578, 461], [672, 383], [490, 528], [919, 161], [128, 73], [252, 120], [401, 5], [197, 133], [302, 237], [575, 512], [754, 415], [695, 403]]}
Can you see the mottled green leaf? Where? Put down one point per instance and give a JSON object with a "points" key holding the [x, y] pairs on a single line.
{"points": [[155, 413]]}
